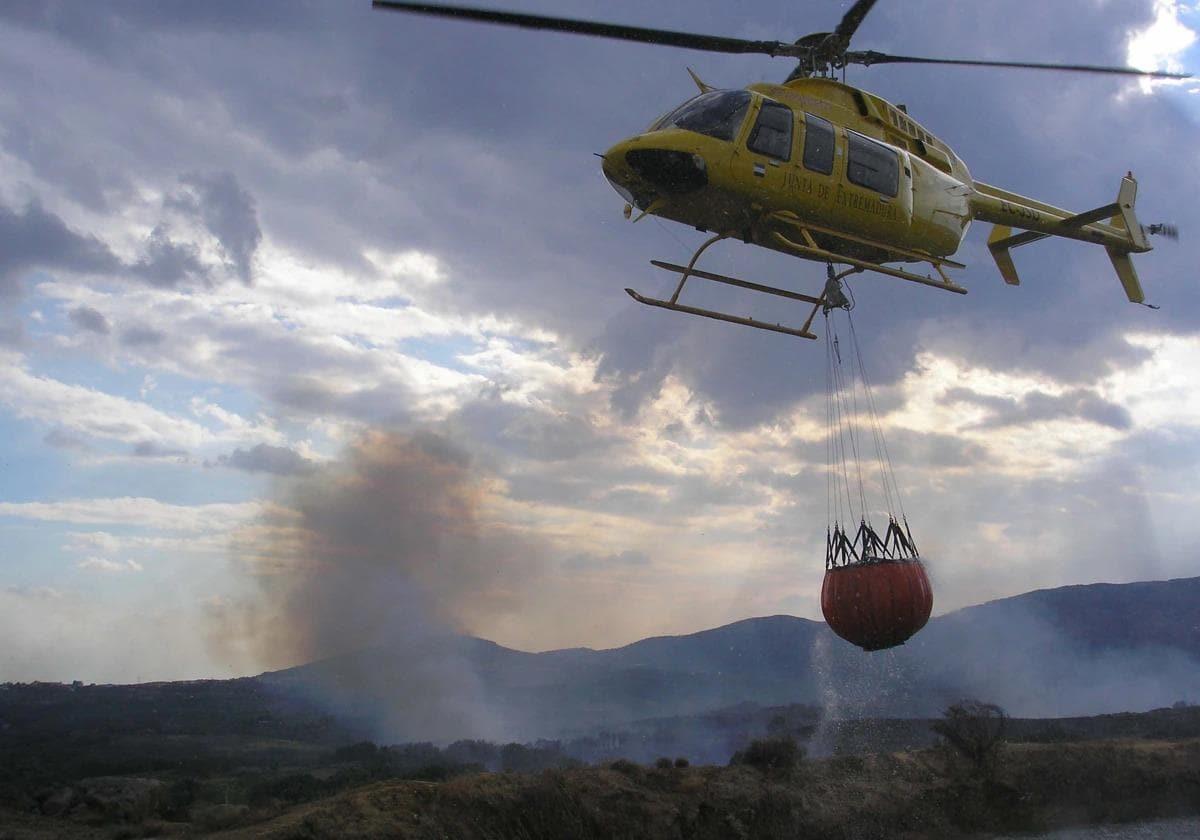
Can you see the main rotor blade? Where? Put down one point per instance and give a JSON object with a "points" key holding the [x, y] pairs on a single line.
{"points": [[870, 57], [851, 20], [686, 40]]}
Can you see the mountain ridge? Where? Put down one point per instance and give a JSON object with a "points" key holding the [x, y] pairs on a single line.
{"points": [[1078, 649]]}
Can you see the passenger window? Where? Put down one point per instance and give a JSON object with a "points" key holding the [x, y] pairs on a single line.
{"points": [[872, 165], [772, 132], [818, 144]]}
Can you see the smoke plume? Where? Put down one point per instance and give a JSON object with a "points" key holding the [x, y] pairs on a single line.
{"points": [[386, 563]]}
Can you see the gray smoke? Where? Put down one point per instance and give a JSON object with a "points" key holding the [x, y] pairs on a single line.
{"points": [[384, 567]]}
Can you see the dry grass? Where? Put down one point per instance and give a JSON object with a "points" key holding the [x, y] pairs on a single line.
{"points": [[913, 795]]}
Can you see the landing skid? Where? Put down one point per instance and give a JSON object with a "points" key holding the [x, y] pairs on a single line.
{"points": [[809, 249]]}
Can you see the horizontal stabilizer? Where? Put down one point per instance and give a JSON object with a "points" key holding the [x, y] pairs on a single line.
{"points": [[1113, 226], [998, 245]]}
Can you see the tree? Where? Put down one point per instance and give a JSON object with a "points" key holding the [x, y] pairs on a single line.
{"points": [[779, 756], [975, 731]]}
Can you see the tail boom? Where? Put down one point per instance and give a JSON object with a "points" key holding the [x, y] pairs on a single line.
{"points": [[1114, 226]]}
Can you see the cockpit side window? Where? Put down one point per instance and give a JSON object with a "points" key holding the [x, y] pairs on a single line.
{"points": [[872, 165], [718, 114], [772, 132], [818, 144]]}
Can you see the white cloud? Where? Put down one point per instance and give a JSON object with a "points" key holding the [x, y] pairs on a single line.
{"points": [[1162, 391], [87, 542], [138, 512], [109, 566], [412, 265], [1162, 44], [92, 412], [477, 229]]}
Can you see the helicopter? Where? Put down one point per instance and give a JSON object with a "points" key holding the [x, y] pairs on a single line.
{"points": [[821, 170]]}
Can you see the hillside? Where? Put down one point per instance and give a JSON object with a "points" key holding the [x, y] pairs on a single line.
{"points": [[911, 795], [1077, 650]]}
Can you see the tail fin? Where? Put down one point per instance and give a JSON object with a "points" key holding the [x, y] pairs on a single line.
{"points": [[1127, 274], [1124, 218], [1115, 226]]}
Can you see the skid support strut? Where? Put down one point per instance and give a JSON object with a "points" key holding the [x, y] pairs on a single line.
{"points": [[808, 248], [689, 271]]}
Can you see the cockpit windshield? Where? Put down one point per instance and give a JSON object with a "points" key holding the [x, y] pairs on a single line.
{"points": [[718, 113]]}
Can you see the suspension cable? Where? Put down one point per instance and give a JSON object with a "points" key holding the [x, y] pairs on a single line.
{"points": [[882, 454], [847, 410], [850, 539], [841, 479]]}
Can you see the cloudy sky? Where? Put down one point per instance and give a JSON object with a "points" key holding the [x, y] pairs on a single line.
{"points": [[246, 248]]}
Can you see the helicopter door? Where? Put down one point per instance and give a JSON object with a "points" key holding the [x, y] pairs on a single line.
{"points": [[769, 145], [876, 199]]}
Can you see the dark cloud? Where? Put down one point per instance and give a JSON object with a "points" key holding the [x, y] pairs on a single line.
{"points": [[229, 213], [151, 449], [91, 320], [481, 159], [699, 492], [569, 491], [585, 561], [1038, 406], [541, 436], [168, 263], [388, 403], [62, 439], [12, 333], [934, 449], [263, 457], [142, 336], [1164, 450], [358, 130], [36, 238]]}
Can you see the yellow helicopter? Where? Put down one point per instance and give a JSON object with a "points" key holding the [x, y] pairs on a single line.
{"points": [[821, 170]]}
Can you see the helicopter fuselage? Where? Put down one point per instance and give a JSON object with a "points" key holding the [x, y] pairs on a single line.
{"points": [[814, 149], [824, 171]]}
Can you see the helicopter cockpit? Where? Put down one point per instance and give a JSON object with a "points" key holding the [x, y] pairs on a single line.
{"points": [[717, 113], [664, 161]]}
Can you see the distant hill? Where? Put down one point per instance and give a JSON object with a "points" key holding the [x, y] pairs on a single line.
{"points": [[1076, 650]]}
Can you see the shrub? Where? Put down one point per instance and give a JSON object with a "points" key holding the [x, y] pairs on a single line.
{"points": [[771, 755], [975, 732], [364, 752], [664, 763], [180, 797], [681, 762], [524, 759], [219, 817], [474, 752], [293, 788], [625, 767]]}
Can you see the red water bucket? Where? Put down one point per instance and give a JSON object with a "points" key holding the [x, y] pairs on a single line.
{"points": [[877, 605]]}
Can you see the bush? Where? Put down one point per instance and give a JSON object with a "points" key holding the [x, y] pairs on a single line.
{"points": [[293, 789], [974, 731], [625, 767], [219, 817], [482, 753], [770, 755], [547, 755], [180, 797], [664, 763], [364, 752], [681, 762]]}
